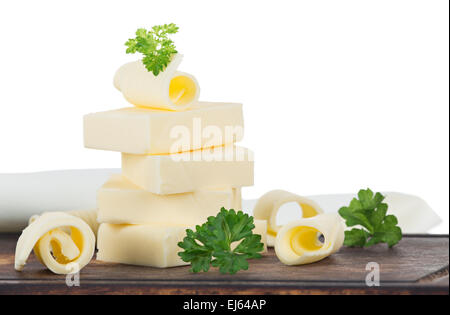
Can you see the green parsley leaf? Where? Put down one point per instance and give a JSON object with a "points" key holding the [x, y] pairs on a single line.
{"points": [[369, 212], [356, 237], [155, 45], [225, 241]]}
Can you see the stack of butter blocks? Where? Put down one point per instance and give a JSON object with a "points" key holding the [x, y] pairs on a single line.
{"points": [[178, 168]]}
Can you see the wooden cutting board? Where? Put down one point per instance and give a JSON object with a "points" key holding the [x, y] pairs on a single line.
{"points": [[418, 265]]}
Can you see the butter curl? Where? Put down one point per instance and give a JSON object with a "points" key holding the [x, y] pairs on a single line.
{"points": [[62, 242], [169, 90], [269, 204], [309, 240]]}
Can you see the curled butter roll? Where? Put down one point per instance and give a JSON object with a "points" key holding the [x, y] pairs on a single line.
{"points": [[169, 90], [269, 204], [309, 240], [60, 250], [88, 216]]}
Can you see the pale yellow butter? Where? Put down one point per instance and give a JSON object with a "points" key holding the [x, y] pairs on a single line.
{"points": [[121, 202], [298, 242], [228, 166], [61, 252], [171, 89], [145, 245], [152, 245], [270, 203], [152, 131]]}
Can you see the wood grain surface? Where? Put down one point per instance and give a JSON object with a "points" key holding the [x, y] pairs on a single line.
{"points": [[418, 265]]}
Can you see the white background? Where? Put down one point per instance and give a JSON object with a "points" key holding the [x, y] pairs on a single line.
{"points": [[338, 95]]}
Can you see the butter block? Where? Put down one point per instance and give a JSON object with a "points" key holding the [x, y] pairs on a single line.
{"points": [[137, 130], [121, 202], [145, 245], [152, 245], [228, 166]]}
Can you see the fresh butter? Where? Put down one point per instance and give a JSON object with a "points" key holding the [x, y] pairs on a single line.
{"points": [[150, 245], [121, 202], [299, 242], [170, 89], [268, 206], [60, 251], [151, 131], [227, 166], [145, 245]]}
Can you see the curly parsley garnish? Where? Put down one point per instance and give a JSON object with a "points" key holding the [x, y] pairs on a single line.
{"points": [[225, 241], [369, 211], [155, 45]]}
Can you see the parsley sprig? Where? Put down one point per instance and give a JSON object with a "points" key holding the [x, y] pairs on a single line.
{"points": [[212, 243], [369, 211], [155, 45]]}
